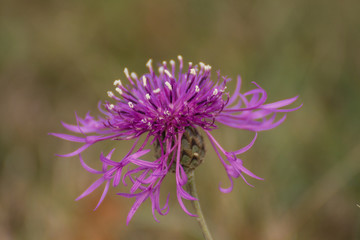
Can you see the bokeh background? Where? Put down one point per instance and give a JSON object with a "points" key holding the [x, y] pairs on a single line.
{"points": [[58, 57]]}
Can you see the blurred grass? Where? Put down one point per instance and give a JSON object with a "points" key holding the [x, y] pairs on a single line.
{"points": [[57, 57]]}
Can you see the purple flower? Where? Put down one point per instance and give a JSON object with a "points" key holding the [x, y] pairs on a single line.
{"points": [[162, 107]]}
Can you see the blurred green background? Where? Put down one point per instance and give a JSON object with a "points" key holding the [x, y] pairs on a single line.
{"points": [[58, 57]]}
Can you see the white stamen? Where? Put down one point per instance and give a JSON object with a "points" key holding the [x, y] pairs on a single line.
{"points": [[133, 75], [111, 106], [197, 89], [192, 71], [215, 92], [117, 82], [119, 90], [126, 71], [147, 96], [110, 94], [207, 68], [144, 81], [172, 62], [168, 73], [161, 69], [166, 112], [223, 90], [148, 64], [156, 90], [131, 105], [190, 63], [164, 63], [202, 65], [144, 120], [180, 58], [168, 85]]}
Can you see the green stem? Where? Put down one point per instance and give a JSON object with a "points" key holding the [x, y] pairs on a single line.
{"points": [[196, 204]]}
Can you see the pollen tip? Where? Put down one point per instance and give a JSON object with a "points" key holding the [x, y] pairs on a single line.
{"points": [[168, 85], [110, 94], [180, 58], [156, 90], [119, 90], [148, 63], [131, 105], [161, 69], [126, 71], [168, 73], [144, 80], [133, 75], [117, 82], [147, 96], [197, 89], [193, 71]]}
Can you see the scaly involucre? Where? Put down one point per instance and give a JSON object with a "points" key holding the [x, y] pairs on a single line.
{"points": [[161, 106]]}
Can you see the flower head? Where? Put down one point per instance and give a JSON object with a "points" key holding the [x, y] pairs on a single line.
{"points": [[166, 107]]}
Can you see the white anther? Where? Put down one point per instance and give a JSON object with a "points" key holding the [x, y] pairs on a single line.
{"points": [[131, 105], [180, 58], [147, 96], [133, 75], [110, 94], [168, 73], [161, 69], [144, 120], [190, 63], [156, 90], [126, 71], [117, 82], [144, 81], [223, 90], [202, 65], [192, 71], [172, 62], [164, 63], [166, 112], [207, 68], [111, 106], [119, 90], [197, 89], [168, 85], [215, 92], [148, 64]]}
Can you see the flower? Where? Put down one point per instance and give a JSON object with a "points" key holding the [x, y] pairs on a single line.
{"points": [[164, 107]]}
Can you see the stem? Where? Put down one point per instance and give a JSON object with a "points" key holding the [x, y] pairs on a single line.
{"points": [[196, 204]]}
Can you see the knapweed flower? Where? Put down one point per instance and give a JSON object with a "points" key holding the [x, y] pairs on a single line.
{"points": [[169, 108]]}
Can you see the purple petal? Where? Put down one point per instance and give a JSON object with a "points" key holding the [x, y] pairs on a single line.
{"points": [[87, 168], [135, 207], [229, 189], [90, 189], [281, 103], [244, 149], [76, 152], [69, 137], [103, 195]]}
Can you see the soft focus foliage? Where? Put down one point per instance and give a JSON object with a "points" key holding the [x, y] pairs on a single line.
{"points": [[58, 57]]}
